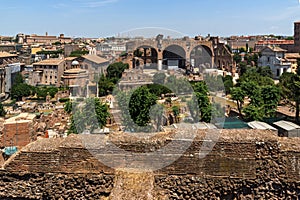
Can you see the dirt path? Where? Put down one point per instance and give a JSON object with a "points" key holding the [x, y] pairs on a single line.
{"points": [[134, 186]]}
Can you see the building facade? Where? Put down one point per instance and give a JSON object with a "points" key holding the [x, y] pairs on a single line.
{"points": [[94, 64], [48, 72], [274, 57], [9, 67], [77, 80]]}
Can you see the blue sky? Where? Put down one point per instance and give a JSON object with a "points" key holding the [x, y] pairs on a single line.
{"points": [[96, 18]]}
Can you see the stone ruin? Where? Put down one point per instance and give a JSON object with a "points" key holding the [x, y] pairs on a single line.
{"points": [[244, 164]]}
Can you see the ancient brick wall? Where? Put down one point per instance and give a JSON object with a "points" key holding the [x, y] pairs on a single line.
{"points": [[243, 164], [17, 134]]}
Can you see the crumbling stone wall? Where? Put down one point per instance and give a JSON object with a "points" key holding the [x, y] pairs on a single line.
{"points": [[244, 164], [55, 186], [271, 179]]}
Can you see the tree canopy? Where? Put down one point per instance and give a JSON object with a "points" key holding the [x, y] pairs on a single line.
{"points": [[290, 90], [115, 71], [261, 92], [140, 104], [107, 83], [88, 115], [78, 53]]}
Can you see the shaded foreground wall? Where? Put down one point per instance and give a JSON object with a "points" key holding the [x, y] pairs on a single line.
{"points": [[244, 164]]}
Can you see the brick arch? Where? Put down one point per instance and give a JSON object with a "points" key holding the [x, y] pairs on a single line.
{"points": [[145, 43], [175, 48], [149, 56], [187, 45], [175, 54], [201, 57]]}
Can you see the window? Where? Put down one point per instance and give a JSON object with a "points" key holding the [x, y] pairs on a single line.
{"points": [[268, 59], [278, 72]]}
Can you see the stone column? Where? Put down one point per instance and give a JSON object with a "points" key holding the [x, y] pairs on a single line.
{"points": [[160, 59], [97, 90]]}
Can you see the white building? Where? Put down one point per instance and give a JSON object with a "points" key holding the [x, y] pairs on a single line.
{"points": [[274, 57]]}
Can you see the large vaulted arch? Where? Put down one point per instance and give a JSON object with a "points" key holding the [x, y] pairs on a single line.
{"points": [[201, 58], [174, 57]]}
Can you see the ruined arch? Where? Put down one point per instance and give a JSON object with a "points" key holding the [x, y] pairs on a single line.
{"points": [[201, 57], [174, 56], [146, 56]]}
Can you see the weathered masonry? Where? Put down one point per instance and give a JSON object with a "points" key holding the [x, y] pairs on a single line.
{"points": [[244, 164]]}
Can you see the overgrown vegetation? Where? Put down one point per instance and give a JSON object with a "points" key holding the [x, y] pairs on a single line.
{"points": [[78, 53]]}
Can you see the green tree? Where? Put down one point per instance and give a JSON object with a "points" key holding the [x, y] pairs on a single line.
{"points": [[253, 113], [265, 71], [237, 58], [43, 92], [140, 105], [250, 88], [21, 90], [252, 75], [158, 90], [200, 108], [18, 79], [270, 99], [200, 87], [115, 71], [290, 88], [243, 68], [106, 86], [139, 110], [238, 95], [78, 53], [68, 107], [262, 93], [91, 115], [228, 83]]}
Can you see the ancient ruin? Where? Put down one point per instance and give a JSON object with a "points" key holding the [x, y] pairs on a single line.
{"points": [[244, 164]]}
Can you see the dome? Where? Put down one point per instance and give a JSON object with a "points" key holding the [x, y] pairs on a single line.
{"points": [[75, 62]]}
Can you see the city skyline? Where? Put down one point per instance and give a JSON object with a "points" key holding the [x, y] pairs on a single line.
{"points": [[103, 18]]}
